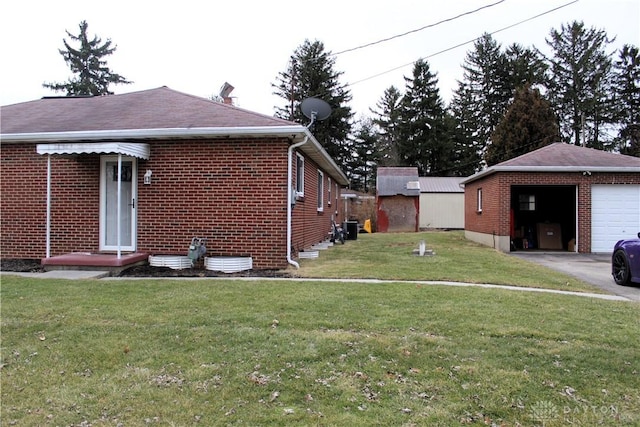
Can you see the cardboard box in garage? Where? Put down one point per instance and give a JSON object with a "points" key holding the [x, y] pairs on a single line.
{"points": [[549, 236]]}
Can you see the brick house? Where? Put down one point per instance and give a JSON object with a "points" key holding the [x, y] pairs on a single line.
{"points": [[559, 197], [145, 172], [397, 199]]}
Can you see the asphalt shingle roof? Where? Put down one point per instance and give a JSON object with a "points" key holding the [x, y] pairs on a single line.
{"points": [[160, 108], [560, 154], [561, 157]]}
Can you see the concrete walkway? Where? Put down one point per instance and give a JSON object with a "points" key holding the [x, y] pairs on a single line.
{"points": [[61, 274], [84, 274]]}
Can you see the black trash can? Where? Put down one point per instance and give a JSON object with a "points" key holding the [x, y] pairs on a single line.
{"points": [[352, 230]]}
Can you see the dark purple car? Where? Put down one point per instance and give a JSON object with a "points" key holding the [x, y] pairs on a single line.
{"points": [[625, 261]]}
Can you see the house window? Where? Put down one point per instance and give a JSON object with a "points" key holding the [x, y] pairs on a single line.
{"points": [[479, 209], [300, 176], [329, 190], [527, 202], [320, 191]]}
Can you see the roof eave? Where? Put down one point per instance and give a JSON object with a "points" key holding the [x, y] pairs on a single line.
{"points": [[560, 169], [322, 158], [159, 133]]}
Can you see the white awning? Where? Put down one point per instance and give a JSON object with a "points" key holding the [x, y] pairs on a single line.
{"points": [[133, 149]]}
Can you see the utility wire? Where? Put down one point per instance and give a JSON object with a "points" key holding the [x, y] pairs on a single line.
{"points": [[463, 43], [418, 29]]}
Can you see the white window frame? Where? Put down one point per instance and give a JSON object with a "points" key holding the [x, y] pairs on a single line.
{"points": [[299, 175], [320, 191], [329, 189], [479, 193]]}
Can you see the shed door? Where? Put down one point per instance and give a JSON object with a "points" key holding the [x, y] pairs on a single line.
{"points": [[615, 215]]}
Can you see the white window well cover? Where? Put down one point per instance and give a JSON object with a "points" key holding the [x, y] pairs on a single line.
{"points": [[139, 150]]}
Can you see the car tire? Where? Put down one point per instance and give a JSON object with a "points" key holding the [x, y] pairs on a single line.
{"points": [[620, 268]]}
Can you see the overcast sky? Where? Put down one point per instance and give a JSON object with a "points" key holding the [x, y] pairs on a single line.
{"points": [[195, 46]]}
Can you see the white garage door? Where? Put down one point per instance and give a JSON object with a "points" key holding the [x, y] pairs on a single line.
{"points": [[615, 215]]}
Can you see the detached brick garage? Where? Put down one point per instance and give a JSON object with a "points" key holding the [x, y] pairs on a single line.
{"points": [[559, 197], [183, 167]]}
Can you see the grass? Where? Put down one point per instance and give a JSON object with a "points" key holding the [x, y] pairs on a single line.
{"points": [[280, 352], [389, 256]]}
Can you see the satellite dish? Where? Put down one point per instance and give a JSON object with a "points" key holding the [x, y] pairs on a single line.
{"points": [[315, 109]]}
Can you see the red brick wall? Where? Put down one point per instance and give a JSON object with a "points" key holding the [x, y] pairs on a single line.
{"points": [[74, 202], [311, 226], [232, 192], [496, 196]]}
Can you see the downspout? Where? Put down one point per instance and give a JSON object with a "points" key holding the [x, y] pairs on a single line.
{"points": [[290, 196], [48, 243], [118, 203]]}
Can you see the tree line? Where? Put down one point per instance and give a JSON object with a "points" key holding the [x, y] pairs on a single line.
{"points": [[509, 101]]}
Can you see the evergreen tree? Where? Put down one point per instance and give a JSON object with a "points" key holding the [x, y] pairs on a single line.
{"points": [[363, 164], [524, 66], [529, 124], [627, 90], [425, 137], [484, 92], [579, 84], [311, 74], [388, 120], [468, 146], [92, 76]]}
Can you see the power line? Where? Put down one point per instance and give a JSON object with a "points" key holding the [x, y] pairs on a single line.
{"points": [[417, 29], [463, 43]]}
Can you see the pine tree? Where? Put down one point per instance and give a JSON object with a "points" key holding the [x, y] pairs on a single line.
{"points": [[364, 159], [425, 137], [468, 143], [627, 90], [484, 93], [92, 76], [311, 73], [529, 124], [579, 84], [524, 66], [387, 118]]}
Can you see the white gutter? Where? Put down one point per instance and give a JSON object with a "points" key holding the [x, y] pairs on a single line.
{"points": [[561, 169], [290, 196], [154, 133]]}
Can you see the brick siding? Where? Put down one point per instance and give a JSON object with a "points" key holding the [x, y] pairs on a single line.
{"points": [[232, 192], [496, 198]]}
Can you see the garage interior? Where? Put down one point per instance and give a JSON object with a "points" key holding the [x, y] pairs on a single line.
{"points": [[543, 217]]}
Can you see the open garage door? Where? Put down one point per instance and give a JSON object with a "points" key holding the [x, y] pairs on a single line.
{"points": [[615, 215]]}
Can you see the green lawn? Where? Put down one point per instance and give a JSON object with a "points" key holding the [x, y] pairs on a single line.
{"points": [[285, 352], [390, 256]]}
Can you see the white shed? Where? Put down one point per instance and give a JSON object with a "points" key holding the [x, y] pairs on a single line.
{"points": [[441, 203]]}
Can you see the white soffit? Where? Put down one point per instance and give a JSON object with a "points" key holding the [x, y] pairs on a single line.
{"points": [[133, 149]]}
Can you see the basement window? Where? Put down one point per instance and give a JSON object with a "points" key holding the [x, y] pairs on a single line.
{"points": [[527, 202]]}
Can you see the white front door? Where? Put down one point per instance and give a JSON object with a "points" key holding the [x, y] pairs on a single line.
{"points": [[110, 222]]}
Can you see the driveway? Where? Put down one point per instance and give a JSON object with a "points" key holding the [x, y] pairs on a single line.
{"points": [[590, 268]]}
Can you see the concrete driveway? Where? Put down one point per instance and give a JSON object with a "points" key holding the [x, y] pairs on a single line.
{"points": [[590, 268]]}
